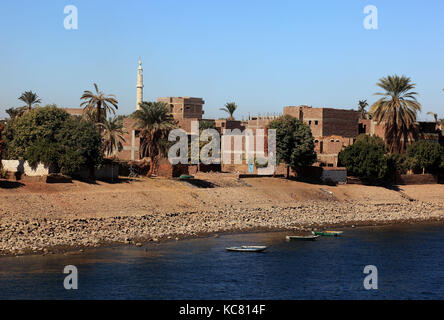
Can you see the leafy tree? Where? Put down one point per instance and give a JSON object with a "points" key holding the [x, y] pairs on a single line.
{"points": [[30, 98], [294, 143], [425, 156], [365, 158], [50, 136], [98, 101], [396, 110], [229, 108], [41, 123], [112, 135], [155, 122]]}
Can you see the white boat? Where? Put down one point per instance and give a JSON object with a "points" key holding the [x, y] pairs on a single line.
{"points": [[247, 248], [311, 237]]}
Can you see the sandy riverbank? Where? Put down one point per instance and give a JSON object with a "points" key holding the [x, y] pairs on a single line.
{"points": [[40, 218]]}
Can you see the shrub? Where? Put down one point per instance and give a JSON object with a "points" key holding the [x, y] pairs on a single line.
{"points": [[365, 159]]}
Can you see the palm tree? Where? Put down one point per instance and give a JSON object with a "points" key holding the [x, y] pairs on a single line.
{"points": [[155, 122], [362, 108], [397, 111], [98, 100], [229, 108], [435, 116], [112, 135], [30, 98]]}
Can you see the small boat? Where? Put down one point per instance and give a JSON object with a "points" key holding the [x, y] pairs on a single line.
{"points": [[311, 237], [185, 177], [247, 248], [329, 233]]}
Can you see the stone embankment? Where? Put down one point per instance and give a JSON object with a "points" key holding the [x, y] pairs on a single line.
{"points": [[20, 235]]}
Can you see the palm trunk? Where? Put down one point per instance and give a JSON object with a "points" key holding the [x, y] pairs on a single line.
{"points": [[150, 172], [288, 172], [99, 106]]}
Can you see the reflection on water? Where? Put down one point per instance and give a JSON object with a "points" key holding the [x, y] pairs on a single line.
{"points": [[409, 261]]}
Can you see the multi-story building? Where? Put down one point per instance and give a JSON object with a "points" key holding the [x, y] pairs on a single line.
{"points": [[332, 129]]}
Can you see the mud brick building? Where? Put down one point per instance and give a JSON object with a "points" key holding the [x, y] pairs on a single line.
{"points": [[332, 129], [184, 110]]}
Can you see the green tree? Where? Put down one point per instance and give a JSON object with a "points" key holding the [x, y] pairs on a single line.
{"points": [[397, 110], [229, 108], [50, 136], [294, 143], [30, 98], [98, 101], [112, 135], [425, 156], [41, 123], [155, 122], [365, 158]]}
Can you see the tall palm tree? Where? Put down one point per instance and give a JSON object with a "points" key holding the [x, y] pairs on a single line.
{"points": [[362, 108], [396, 110], [229, 108], [30, 98], [99, 101], [155, 122], [112, 135]]}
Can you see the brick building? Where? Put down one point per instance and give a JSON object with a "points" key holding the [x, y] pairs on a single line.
{"points": [[332, 129], [184, 110]]}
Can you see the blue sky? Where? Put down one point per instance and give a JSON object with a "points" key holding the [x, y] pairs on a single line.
{"points": [[261, 54]]}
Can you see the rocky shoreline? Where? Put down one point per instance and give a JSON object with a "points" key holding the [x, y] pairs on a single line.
{"points": [[19, 236]]}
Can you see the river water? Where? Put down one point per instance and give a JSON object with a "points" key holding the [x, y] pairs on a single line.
{"points": [[409, 260]]}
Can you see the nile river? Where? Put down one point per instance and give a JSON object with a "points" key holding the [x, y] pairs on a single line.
{"points": [[409, 259]]}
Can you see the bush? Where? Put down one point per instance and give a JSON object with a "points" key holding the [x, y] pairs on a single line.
{"points": [[50, 136], [365, 158]]}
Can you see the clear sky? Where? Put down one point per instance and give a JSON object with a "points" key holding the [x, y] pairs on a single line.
{"points": [[261, 54]]}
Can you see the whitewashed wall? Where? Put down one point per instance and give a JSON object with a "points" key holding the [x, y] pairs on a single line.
{"points": [[22, 166]]}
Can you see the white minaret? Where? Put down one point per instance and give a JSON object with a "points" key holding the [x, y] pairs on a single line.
{"points": [[139, 85]]}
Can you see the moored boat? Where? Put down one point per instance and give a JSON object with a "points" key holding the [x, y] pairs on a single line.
{"points": [[311, 237], [186, 177], [247, 248], [328, 233]]}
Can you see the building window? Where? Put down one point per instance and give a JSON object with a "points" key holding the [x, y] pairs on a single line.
{"points": [[316, 122], [316, 141], [309, 122], [330, 165], [338, 141], [332, 140]]}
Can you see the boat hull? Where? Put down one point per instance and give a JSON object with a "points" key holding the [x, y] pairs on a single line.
{"points": [[302, 238], [329, 233], [247, 249]]}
